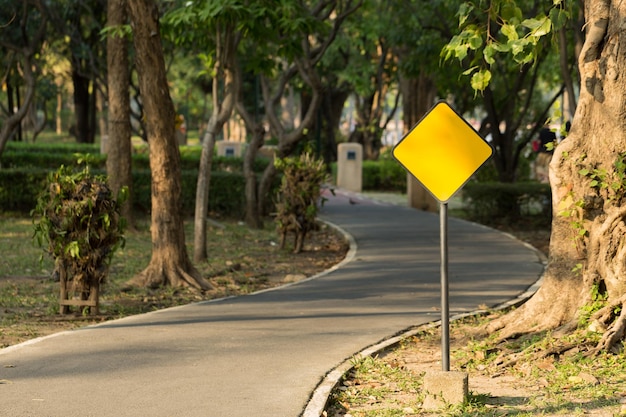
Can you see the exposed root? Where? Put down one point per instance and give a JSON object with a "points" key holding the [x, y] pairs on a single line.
{"points": [[160, 274], [614, 334], [532, 353]]}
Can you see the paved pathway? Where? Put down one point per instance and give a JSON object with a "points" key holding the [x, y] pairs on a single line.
{"points": [[264, 354]]}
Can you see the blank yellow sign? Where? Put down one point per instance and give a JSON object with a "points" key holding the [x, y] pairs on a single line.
{"points": [[442, 151]]}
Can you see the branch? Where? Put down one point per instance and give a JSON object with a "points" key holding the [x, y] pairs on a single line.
{"points": [[598, 23]]}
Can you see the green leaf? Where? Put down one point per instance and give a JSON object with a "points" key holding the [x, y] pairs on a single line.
{"points": [[475, 41], [481, 79], [509, 12], [558, 17], [464, 12], [500, 47], [488, 54], [532, 24], [584, 172], [73, 249], [538, 27], [517, 46], [470, 70], [510, 32]]}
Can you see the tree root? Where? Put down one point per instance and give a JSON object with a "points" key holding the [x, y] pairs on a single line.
{"points": [[614, 334], [159, 274], [532, 354]]}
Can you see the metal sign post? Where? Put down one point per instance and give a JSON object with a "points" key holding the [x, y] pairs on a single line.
{"points": [[445, 310], [442, 152]]}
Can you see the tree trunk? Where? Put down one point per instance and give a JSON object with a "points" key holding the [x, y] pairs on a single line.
{"points": [[253, 214], [15, 119], [587, 247], [418, 96], [200, 253], [170, 263], [81, 106], [119, 149], [224, 68]]}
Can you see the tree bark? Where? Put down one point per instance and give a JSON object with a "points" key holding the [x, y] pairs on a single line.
{"points": [[82, 99], [119, 149], [587, 247], [253, 214], [418, 96], [224, 68], [170, 263]]}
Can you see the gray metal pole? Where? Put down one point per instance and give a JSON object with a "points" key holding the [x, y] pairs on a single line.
{"points": [[445, 316]]}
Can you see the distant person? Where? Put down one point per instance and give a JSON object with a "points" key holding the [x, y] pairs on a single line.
{"points": [[544, 148]]}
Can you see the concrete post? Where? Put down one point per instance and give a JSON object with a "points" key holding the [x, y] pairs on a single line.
{"points": [[350, 166], [228, 148], [444, 388]]}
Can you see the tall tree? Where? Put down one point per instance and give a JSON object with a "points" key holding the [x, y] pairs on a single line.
{"points": [[587, 178], [223, 69], [119, 152], [418, 33], [81, 22], [22, 39], [170, 263], [219, 35], [320, 24], [372, 72]]}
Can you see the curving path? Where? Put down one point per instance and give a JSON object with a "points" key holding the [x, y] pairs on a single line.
{"points": [[264, 354]]}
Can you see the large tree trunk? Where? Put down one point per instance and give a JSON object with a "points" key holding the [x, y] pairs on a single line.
{"points": [[119, 139], [587, 246], [334, 101], [418, 96], [170, 263]]}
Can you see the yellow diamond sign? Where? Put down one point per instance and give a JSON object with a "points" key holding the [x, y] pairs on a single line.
{"points": [[442, 151]]}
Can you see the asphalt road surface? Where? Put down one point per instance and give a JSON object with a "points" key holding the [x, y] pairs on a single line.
{"points": [[264, 354]]}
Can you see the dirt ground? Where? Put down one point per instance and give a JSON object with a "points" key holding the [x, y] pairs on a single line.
{"points": [[507, 392], [510, 391]]}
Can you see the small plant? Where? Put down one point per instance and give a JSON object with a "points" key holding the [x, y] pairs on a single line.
{"points": [[79, 222], [299, 196]]}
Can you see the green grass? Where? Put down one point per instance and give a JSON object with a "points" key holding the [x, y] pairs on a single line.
{"points": [[240, 261], [569, 384]]}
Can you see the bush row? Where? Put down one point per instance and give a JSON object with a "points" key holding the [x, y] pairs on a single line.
{"points": [[495, 202], [227, 195], [381, 175], [51, 157]]}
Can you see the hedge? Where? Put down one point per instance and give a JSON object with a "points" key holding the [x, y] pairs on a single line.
{"points": [[382, 175], [53, 157], [494, 202], [19, 189]]}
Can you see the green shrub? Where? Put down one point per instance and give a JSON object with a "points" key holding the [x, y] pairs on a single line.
{"points": [[493, 202], [77, 219], [381, 175], [226, 195], [19, 188], [299, 196], [488, 172], [43, 157]]}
